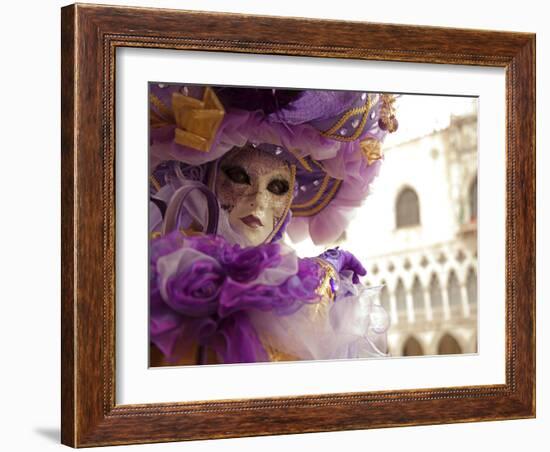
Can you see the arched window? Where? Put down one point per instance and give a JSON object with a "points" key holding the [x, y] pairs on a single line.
{"points": [[417, 295], [471, 286], [401, 301], [448, 345], [472, 198], [385, 298], [407, 210], [412, 347], [453, 292], [436, 298]]}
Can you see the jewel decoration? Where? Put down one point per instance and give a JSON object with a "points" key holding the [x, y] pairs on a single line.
{"points": [[387, 120]]}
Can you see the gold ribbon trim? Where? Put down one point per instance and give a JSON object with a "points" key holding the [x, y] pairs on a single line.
{"points": [[288, 204], [364, 111], [322, 205]]}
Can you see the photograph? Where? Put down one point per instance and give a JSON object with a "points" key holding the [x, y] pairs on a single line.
{"points": [[292, 224]]}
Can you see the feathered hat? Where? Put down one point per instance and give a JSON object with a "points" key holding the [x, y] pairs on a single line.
{"points": [[332, 138]]}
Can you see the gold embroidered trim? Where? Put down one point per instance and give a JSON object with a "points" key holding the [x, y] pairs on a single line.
{"points": [[344, 118], [319, 164], [285, 213], [331, 133], [321, 206], [302, 161], [325, 288], [317, 197]]}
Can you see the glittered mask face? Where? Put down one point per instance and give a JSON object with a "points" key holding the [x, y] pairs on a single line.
{"points": [[255, 188]]}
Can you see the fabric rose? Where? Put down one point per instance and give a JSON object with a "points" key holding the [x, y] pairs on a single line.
{"points": [[246, 264], [211, 245], [204, 289], [238, 297], [282, 299], [304, 284], [195, 291]]}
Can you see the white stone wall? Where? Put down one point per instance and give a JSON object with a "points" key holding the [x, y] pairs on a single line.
{"points": [[440, 168]]}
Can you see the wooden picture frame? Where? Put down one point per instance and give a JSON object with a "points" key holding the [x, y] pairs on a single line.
{"points": [[90, 36]]}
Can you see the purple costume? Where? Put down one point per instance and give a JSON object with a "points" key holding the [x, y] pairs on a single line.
{"points": [[212, 286]]}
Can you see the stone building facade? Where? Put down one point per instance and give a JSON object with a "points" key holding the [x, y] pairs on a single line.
{"points": [[418, 236]]}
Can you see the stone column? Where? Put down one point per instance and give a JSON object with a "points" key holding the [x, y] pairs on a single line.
{"points": [[465, 301], [428, 306]]}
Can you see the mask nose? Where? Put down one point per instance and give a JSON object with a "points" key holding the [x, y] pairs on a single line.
{"points": [[259, 200]]}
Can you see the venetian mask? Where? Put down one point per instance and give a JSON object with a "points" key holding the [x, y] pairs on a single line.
{"points": [[255, 188]]}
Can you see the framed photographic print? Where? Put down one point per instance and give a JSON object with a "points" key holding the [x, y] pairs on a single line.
{"points": [[279, 225]]}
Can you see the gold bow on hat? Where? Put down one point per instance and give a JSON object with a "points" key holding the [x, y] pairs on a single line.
{"points": [[197, 121]]}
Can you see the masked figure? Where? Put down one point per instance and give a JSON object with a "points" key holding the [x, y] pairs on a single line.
{"points": [[235, 171]]}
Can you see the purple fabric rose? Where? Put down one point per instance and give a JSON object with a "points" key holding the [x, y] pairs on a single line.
{"points": [[195, 291], [238, 297], [246, 264], [203, 289], [167, 244], [283, 299], [211, 245], [304, 284]]}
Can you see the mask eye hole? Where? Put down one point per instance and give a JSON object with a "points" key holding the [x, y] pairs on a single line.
{"points": [[278, 186], [237, 174]]}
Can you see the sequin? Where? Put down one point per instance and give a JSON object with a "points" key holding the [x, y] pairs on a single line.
{"points": [[343, 132], [355, 123], [316, 182]]}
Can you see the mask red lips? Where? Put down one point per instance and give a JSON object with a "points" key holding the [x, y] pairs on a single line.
{"points": [[252, 221]]}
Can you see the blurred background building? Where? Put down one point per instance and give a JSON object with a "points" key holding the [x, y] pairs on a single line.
{"points": [[417, 232]]}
